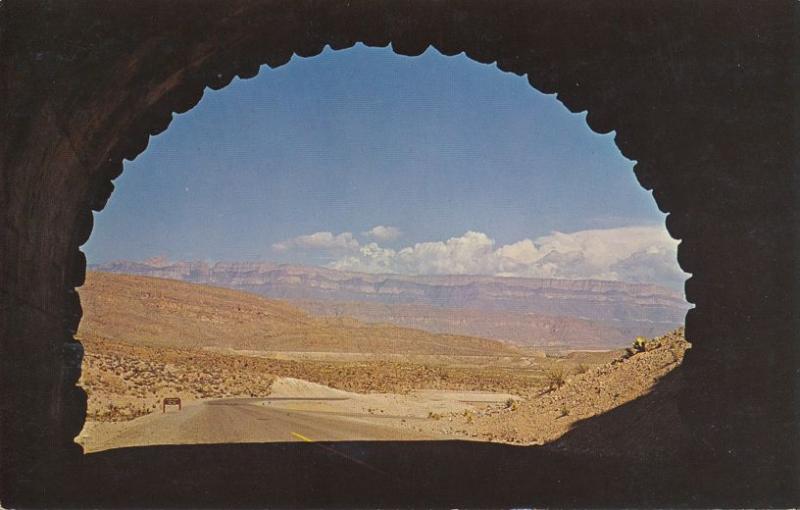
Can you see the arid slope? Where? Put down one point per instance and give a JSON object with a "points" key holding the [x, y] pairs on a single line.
{"points": [[168, 313], [631, 402]]}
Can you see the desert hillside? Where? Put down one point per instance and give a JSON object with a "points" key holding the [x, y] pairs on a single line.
{"points": [[168, 313], [630, 400], [589, 314]]}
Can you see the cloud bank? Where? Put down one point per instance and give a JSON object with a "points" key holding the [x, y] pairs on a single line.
{"points": [[320, 241], [633, 254], [383, 233]]}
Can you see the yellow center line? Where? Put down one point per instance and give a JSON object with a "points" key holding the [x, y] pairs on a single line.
{"points": [[302, 437], [337, 452]]}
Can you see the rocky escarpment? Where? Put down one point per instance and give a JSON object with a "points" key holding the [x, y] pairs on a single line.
{"points": [[548, 332], [592, 299]]}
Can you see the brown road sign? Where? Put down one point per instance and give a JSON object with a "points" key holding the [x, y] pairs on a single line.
{"points": [[170, 401]]}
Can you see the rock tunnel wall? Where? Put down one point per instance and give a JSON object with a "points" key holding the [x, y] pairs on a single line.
{"points": [[699, 94]]}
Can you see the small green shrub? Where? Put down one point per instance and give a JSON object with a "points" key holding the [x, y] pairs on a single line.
{"points": [[639, 345], [555, 377]]}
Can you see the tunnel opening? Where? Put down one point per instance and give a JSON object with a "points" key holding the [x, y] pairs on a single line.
{"points": [[396, 335]]}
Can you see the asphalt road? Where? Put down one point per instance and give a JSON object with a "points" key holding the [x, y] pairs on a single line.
{"points": [[249, 421]]}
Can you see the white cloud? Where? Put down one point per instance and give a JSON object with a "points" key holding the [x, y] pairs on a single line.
{"points": [[320, 241], [636, 254], [370, 258], [468, 254], [383, 233]]}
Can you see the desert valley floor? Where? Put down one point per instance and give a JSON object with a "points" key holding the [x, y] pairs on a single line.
{"points": [[251, 369]]}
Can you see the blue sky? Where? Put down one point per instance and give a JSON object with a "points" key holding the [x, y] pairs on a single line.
{"points": [[299, 164]]}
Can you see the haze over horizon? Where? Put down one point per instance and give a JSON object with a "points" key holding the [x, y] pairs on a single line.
{"points": [[364, 160]]}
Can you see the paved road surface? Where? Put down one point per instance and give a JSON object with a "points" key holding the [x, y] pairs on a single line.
{"points": [[248, 420]]}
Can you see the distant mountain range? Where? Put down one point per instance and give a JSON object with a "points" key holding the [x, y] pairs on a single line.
{"points": [[528, 311]]}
